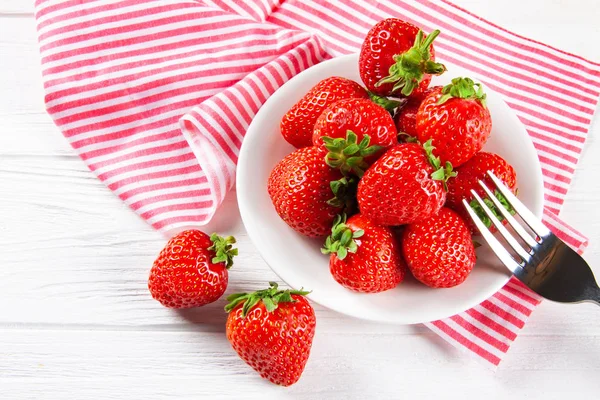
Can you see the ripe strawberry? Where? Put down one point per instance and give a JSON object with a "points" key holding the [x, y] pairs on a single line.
{"points": [[298, 123], [272, 331], [406, 116], [439, 250], [364, 256], [468, 176], [396, 58], [456, 120], [300, 187], [348, 127], [403, 186], [191, 270]]}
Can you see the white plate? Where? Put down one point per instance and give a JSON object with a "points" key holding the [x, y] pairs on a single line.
{"points": [[298, 261]]}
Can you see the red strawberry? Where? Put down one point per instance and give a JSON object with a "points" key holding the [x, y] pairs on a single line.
{"points": [[272, 331], [364, 256], [439, 250], [406, 116], [370, 124], [396, 58], [298, 123], [300, 189], [456, 120], [403, 186], [191, 270], [468, 176]]}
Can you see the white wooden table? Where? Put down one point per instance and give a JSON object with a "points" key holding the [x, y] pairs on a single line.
{"points": [[77, 321]]}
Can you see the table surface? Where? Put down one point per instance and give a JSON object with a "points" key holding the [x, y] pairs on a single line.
{"points": [[77, 320]]}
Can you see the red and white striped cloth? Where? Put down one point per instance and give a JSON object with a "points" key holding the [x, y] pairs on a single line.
{"points": [[156, 96]]}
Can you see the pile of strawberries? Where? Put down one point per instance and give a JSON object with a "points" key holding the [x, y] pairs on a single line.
{"points": [[382, 170], [379, 174]]}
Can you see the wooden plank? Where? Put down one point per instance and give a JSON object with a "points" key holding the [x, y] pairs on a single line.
{"points": [[119, 364]]}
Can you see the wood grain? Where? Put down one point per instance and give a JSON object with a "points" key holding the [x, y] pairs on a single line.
{"points": [[77, 321]]}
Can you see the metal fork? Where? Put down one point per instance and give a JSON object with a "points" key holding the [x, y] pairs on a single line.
{"points": [[544, 263]]}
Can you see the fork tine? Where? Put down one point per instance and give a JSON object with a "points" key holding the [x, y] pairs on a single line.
{"points": [[503, 231], [511, 220], [536, 226], [496, 246]]}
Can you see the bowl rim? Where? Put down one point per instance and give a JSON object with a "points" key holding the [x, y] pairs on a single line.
{"points": [[242, 180]]}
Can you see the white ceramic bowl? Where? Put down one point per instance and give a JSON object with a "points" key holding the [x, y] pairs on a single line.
{"points": [[297, 259]]}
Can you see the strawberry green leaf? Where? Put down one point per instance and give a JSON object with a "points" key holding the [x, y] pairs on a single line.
{"points": [[270, 297], [463, 88], [411, 66], [341, 241], [347, 155], [223, 249]]}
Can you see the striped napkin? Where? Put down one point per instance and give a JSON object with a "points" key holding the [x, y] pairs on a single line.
{"points": [[155, 96]]}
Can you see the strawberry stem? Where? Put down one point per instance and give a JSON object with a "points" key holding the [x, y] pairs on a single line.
{"points": [[341, 241], [270, 297], [344, 193], [224, 251], [483, 216], [410, 67], [385, 102], [440, 173], [463, 88], [347, 155]]}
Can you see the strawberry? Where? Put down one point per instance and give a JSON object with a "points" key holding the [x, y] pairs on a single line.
{"points": [[300, 187], [406, 116], [191, 270], [456, 120], [396, 58], [364, 256], [297, 124], [439, 250], [272, 331], [468, 176], [355, 131], [405, 185]]}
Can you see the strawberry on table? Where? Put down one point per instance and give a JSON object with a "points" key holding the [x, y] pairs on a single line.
{"points": [[405, 185], [455, 118], [355, 131], [301, 189], [272, 331], [469, 174], [364, 256], [298, 123], [191, 270], [397, 58], [439, 251]]}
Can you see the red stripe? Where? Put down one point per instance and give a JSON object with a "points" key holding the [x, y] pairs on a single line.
{"points": [[118, 17], [140, 166], [490, 323], [503, 314], [182, 145], [520, 294], [153, 175], [519, 45], [176, 207], [161, 186], [466, 342], [519, 36], [513, 304], [94, 59], [112, 44], [486, 337], [250, 57], [170, 196], [42, 10], [188, 219]]}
